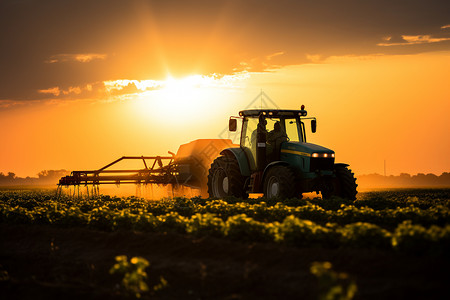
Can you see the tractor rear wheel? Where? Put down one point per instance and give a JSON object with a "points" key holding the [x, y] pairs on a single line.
{"points": [[344, 185], [279, 183], [225, 178]]}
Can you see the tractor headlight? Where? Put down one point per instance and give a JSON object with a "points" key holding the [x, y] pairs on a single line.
{"points": [[324, 155]]}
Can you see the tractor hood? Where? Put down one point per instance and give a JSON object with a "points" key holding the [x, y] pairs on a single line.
{"points": [[304, 149]]}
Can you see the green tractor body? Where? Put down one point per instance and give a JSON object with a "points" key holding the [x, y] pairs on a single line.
{"points": [[274, 158]]}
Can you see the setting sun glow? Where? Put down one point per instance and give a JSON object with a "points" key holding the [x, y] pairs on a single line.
{"points": [[143, 77], [180, 99]]}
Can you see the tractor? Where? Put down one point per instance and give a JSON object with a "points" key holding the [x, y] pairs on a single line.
{"points": [[279, 163]]}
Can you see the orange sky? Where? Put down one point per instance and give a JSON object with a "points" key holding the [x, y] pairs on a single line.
{"points": [[84, 83]]}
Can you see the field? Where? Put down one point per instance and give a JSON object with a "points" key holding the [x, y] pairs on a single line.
{"points": [[385, 245]]}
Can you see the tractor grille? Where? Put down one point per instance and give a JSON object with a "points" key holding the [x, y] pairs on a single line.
{"points": [[321, 163]]}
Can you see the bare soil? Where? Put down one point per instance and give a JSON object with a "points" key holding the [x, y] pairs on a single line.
{"points": [[45, 263]]}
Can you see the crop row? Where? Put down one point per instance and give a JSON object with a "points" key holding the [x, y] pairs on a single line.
{"points": [[388, 218], [377, 200], [292, 230]]}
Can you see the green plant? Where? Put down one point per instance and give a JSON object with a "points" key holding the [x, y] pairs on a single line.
{"points": [[333, 285], [205, 224], [135, 275], [4, 276]]}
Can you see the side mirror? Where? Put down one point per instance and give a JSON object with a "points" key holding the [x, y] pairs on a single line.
{"points": [[232, 125], [313, 125]]}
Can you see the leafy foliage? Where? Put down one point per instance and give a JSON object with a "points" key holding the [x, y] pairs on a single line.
{"points": [[333, 285], [411, 221], [134, 275]]}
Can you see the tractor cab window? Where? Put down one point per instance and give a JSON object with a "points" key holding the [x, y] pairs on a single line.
{"points": [[278, 130], [249, 132], [248, 139], [271, 123], [292, 130], [290, 127]]}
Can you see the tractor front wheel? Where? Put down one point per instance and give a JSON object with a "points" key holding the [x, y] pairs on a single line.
{"points": [[279, 183], [225, 178], [344, 185]]}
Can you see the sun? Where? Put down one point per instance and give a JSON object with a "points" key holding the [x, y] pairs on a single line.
{"points": [[177, 99], [185, 95], [183, 99]]}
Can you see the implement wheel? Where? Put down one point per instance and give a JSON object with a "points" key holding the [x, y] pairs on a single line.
{"points": [[344, 185], [225, 178], [279, 183]]}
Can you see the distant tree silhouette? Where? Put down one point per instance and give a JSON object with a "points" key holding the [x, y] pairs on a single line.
{"points": [[45, 177], [51, 177], [404, 180]]}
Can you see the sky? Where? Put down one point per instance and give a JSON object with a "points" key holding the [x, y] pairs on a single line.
{"points": [[85, 82]]}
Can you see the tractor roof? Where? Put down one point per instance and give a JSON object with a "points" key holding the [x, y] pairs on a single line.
{"points": [[273, 112]]}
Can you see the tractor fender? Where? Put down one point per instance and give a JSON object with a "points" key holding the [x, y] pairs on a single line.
{"points": [[272, 164], [342, 164], [241, 158]]}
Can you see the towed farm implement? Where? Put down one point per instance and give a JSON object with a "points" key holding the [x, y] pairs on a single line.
{"points": [[187, 168]]}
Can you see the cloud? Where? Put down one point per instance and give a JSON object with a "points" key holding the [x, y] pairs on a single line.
{"points": [[100, 90], [55, 91], [82, 58], [412, 40], [270, 56], [70, 43], [314, 58], [73, 90], [122, 86], [130, 87], [423, 39], [261, 63], [5, 104], [86, 91], [123, 89], [404, 40]]}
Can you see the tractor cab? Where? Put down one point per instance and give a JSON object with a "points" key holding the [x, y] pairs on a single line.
{"points": [[264, 131], [274, 158]]}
